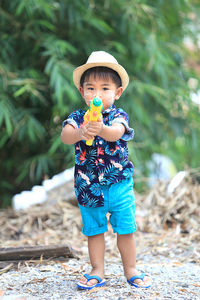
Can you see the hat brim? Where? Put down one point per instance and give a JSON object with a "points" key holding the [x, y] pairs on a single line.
{"points": [[78, 72]]}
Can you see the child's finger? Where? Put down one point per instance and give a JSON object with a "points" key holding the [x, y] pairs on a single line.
{"points": [[100, 119]]}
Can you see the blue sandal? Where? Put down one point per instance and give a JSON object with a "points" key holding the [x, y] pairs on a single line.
{"points": [[100, 282], [132, 279]]}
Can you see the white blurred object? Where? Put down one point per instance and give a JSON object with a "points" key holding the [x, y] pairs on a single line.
{"points": [[28, 198], [58, 179], [176, 181], [38, 194], [195, 97], [161, 167]]}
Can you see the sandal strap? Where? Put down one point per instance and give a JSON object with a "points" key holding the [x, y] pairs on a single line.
{"points": [[137, 277], [89, 277]]}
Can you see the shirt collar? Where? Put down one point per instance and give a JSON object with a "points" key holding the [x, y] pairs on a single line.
{"points": [[111, 108]]}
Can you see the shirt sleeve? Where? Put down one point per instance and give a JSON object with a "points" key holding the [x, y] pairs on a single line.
{"points": [[122, 117], [73, 119]]}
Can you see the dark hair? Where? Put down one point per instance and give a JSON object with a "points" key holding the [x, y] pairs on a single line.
{"points": [[101, 72]]}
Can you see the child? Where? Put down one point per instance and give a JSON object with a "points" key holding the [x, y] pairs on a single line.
{"points": [[103, 173]]}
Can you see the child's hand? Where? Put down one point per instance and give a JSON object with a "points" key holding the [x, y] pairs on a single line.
{"points": [[94, 128], [84, 133]]}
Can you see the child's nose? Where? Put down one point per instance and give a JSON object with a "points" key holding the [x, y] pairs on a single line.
{"points": [[97, 94]]}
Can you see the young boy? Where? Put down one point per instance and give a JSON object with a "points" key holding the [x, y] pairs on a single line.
{"points": [[103, 173]]}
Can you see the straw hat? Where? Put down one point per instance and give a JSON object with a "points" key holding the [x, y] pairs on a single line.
{"points": [[101, 59]]}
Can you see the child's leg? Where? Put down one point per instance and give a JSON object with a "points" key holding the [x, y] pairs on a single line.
{"points": [[127, 249], [96, 247]]}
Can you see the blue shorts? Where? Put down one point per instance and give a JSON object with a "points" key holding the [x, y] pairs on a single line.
{"points": [[119, 202]]}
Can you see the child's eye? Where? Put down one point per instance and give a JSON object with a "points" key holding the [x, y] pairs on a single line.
{"points": [[105, 89], [90, 88]]}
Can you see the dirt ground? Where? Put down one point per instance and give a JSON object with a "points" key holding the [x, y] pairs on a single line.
{"points": [[168, 248]]}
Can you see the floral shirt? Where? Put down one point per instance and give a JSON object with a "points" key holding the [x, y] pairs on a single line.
{"points": [[104, 162]]}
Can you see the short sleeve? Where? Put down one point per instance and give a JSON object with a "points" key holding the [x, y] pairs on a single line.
{"points": [[122, 117], [74, 119]]}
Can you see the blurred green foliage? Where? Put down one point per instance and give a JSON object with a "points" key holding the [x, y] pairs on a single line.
{"points": [[41, 42]]}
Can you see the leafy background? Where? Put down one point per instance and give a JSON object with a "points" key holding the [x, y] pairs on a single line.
{"points": [[41, 42]]}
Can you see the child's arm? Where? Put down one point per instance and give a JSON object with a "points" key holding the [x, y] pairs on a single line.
{"points": [[112, 133], [71, 135]]}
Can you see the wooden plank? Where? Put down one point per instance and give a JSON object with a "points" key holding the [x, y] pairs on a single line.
{"points": [[32, 252]]}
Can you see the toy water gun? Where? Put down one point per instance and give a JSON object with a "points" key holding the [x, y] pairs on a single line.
{"points": [[93, 114]]}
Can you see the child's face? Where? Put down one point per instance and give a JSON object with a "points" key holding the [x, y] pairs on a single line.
{"points": [[106, 89]]}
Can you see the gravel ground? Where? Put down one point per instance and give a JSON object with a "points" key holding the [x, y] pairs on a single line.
{"points": [[57, 280]]}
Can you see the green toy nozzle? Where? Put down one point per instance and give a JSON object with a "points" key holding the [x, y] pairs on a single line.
{"points": [[97, 101]]}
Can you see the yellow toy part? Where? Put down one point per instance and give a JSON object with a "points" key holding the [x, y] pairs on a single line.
{"points": [[93, 114]]}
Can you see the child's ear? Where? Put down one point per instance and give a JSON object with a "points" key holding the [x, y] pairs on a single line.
{"points": [[118, 92], [81, 91]]}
